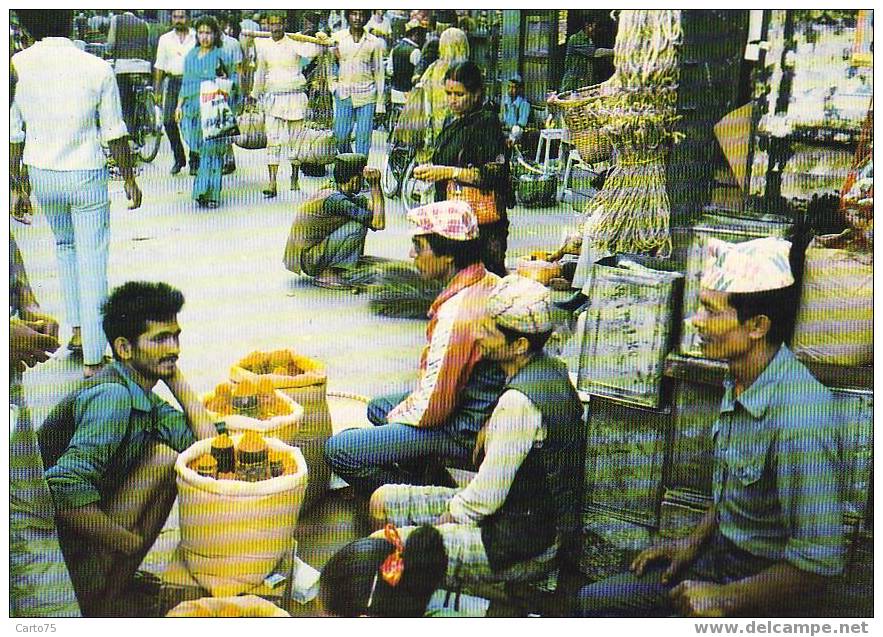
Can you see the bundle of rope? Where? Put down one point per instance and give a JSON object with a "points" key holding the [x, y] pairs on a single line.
{"points": [[636, 113]]}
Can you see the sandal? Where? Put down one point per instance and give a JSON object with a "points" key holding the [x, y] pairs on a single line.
{"points": [[23, 218], [269, 193], [211, 204]]}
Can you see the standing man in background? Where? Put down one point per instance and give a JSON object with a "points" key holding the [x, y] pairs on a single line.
{"points": [[61, 147], [358, 89], [171, 50]]}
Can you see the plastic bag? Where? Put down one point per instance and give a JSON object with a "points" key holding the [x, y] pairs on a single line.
{"points": [[215, 115]]}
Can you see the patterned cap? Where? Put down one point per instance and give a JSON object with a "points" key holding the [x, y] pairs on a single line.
{"points": [[758, 265], [521, 304], [451, 219]]}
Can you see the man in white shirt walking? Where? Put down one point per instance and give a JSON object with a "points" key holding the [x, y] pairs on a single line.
{"points": [[60, 142], [280, 85], [171, 50], [358, 90]]}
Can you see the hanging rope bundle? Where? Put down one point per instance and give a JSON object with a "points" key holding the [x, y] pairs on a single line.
{"points": [[631, 212], [320, 104]]}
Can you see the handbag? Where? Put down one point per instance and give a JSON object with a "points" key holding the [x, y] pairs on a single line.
{"points": [[216, 118], [483, 202]]}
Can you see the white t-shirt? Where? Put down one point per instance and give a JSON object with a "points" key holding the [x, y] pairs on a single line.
{"points": [[171, 51]]}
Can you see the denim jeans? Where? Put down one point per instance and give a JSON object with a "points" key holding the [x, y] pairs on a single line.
{"points": [[78, 209], [626, 595], [344, 118]]}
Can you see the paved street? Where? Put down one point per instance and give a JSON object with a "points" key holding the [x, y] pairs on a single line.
{"points": [[239, 296]]}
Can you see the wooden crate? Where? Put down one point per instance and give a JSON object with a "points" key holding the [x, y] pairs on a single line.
{"points": [[629, 328], [625, 453]]}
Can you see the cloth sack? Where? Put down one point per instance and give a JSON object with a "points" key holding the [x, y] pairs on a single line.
{"points": [[215, 115], [239, 606], [314, 146], [483, 202], [410, 127], [308, 228], [284, 427], [233, 533], [835, 322], [309, 390], [252, 133]]}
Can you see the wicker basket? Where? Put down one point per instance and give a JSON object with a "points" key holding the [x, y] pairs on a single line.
{"points": [[582, 120]]}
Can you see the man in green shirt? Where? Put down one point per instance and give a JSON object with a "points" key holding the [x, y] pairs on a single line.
{"points": [[108, 446], [581, 56], [774, 533]]}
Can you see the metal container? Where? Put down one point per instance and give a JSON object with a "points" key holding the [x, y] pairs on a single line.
{"points": [[734, 230], [630, 323]]}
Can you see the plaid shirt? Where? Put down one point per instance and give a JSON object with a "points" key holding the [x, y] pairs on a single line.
{"points": [[361, 74]]}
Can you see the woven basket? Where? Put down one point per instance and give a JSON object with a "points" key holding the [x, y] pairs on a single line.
{"points": [[581, 118]]}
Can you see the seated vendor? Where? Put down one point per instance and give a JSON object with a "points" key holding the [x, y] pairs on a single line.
{"points": [[456, 389], [106, 446], [515, 110], [774, 534], [342, 222], [523, 506]]}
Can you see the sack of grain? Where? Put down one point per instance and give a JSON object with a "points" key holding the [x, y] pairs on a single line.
{"points": [[302, 379], [239, 606], [835, 322], [233, 533]]}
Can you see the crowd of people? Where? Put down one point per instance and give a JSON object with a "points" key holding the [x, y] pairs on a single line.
{"points": [[487, 396]]}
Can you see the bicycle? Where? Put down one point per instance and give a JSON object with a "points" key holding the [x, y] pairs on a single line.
{"points": [[400, 156], [147, 130]]}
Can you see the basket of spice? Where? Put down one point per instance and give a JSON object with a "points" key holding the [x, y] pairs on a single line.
{"points": [[239, 499], [302, 379], [255, 406], [537, 266]]}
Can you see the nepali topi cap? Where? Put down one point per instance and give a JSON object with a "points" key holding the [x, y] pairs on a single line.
{"points": [[758, 265], [451, 219], [521, 304]]}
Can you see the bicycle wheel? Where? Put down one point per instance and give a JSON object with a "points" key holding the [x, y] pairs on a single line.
{"points": [[148, 134], [396, 163], [412, 189]]}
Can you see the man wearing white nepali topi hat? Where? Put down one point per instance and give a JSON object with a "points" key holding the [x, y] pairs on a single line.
{"points": [[456, 389], [522, 510], [774, 532]]}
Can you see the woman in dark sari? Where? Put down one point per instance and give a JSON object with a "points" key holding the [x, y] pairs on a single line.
{"points": [[471, 161]]}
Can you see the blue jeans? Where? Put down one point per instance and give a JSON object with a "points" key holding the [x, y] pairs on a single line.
{"points": [[78, 209], [344, 118], [388, 453], [626, 595]]}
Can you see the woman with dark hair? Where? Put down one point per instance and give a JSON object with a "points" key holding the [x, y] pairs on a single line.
{"points": [[382, 577], [470, 161], [206, 61]]}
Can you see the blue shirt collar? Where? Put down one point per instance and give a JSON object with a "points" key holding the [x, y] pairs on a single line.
{"points": [[140, 400], [756, 398]]}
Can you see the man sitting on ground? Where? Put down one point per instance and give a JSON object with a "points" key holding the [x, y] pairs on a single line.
{"points": [[109, 470], [328, 235], [774, 533], [456, 389], [523, 506]]}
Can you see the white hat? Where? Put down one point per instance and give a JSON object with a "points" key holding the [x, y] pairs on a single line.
{"points": [[451, 219], [758, 265], [521, 304]]}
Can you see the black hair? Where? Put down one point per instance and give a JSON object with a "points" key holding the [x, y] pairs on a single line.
{"points": [[536, 342], [780, 306], [468, 74], [348, 577], [465, 253], [46, 23], [312, 16], [348, 165], [128, 308], [347, 12], [211, 23]]}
